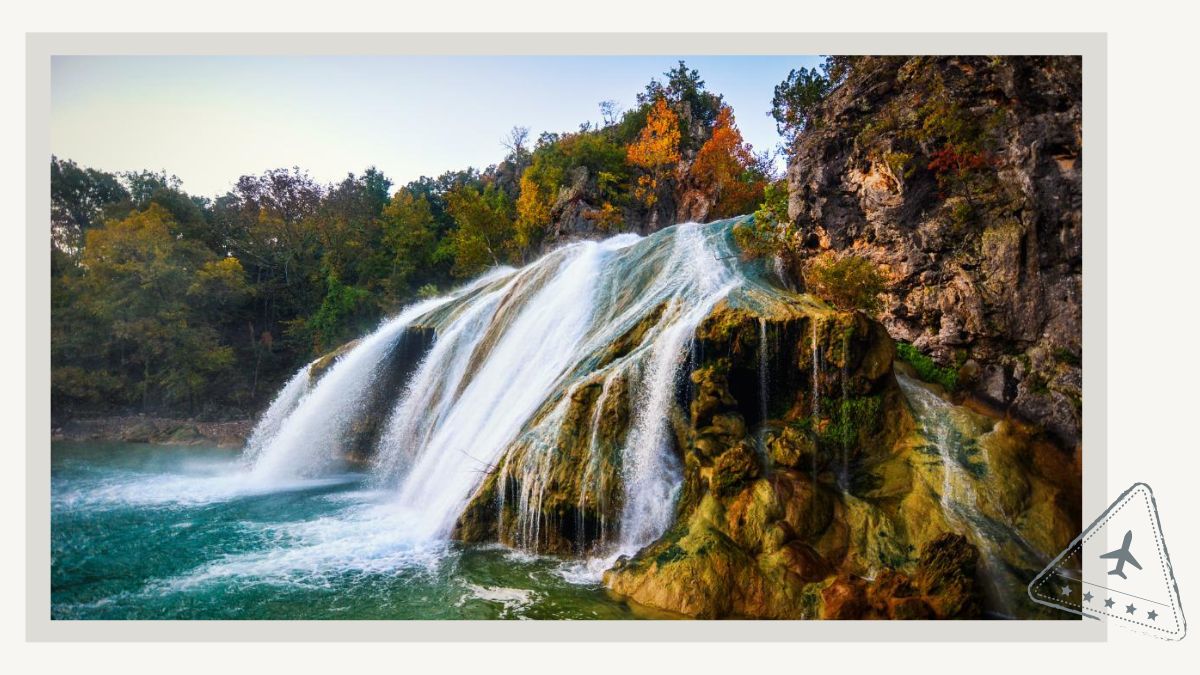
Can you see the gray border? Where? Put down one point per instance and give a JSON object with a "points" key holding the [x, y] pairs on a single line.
{"points": [[41, 46]]}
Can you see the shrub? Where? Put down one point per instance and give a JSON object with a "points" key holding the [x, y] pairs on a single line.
{"points": [[900, 164], [847, 281]]}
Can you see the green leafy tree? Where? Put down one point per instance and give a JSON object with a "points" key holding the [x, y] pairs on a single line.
{"points": [[410, 235], [135, 293], [484, 231], [798, 98]]}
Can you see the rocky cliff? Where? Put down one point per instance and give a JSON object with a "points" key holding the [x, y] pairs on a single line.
{"points": [[961, 178], [813, 485]]}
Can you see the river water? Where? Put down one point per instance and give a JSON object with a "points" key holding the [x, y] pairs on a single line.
{"points": [[155, 532]]}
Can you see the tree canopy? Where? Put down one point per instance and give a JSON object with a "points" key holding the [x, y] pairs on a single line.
{"points": [[164, 301]]}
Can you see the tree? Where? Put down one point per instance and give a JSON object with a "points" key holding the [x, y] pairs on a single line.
{"points": [[135, 290], [410, 236], [515, 141], [796, 101], [656, 149], [726, 168], [684, 91], [610, 112], [770, 233], [78, 201], [484, 231], [533, 208], [797, 98]]}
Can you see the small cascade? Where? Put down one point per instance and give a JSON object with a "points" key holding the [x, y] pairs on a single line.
{"points": [[940, 424], [284, 403], [529, 476], [311, 438], [763, 389], [593, 487]]}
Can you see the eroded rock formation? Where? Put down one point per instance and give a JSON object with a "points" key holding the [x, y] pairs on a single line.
{"points": [[961, 177]]}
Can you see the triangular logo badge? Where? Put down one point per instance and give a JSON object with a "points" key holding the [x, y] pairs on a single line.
{"points": [[1118, 570]]}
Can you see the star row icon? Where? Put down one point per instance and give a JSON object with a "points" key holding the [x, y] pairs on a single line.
{"points": [[1109, 603]]}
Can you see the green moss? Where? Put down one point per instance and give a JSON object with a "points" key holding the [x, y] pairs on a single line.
{"points": [[926, 368], [966, 454], [850, 417], [670, 555]]}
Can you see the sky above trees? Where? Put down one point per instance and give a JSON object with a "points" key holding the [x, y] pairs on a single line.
{"points": [[210, 119]]}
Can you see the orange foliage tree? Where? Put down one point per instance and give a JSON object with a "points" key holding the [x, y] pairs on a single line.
{"points": [[725, 167], [656, 149]]}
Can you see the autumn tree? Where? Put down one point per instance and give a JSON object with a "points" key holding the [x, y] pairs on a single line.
{"points": [[685, 93], [655, 151], [726, 168]]}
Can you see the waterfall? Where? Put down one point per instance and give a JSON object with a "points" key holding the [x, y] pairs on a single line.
{"points": [[311, 438], [938, 425], [490, 395]]}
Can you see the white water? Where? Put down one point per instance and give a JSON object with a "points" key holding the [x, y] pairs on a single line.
{"points": [[309, 441], [508, 351], [285, 402], [937, 417], [940, 421], [594, 484]]}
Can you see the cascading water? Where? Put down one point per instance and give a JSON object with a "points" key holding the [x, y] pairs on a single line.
{"points": [[311, 438], [593, 486], [285, 402], [508, 353], [940, 423], [763, 364]]}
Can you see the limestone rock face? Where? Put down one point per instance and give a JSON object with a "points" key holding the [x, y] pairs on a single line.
{"points": [[826, 499], [961, 177]]}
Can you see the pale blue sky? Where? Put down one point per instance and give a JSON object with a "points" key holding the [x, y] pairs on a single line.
{"points": [[209, 120]]}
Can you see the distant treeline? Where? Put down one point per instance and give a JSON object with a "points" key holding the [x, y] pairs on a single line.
{"points": [[168, 302]]}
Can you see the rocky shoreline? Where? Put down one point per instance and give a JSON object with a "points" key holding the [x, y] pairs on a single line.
{"points": [[159, 430]]}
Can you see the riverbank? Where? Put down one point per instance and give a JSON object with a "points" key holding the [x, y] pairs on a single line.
{"points": [[159, 430]]}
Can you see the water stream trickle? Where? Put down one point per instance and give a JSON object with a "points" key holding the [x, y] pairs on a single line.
{"points": [[939, 421]]}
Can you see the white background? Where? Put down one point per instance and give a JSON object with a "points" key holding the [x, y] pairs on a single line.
{"points": [[1153, 358]]}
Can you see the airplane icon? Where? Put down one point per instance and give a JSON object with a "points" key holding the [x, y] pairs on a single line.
{"points": [[1122, 556]]}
